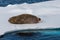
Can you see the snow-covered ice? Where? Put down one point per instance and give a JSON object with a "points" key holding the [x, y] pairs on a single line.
{"points": [[48, 11]]}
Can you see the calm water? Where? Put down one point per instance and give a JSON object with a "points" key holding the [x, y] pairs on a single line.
{"points": [[4, 3], [40, 35]]}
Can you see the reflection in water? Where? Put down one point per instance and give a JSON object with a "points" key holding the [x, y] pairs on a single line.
{"points": [[41, 35]]}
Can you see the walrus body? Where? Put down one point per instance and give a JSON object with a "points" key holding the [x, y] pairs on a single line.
{"points": [[24, 19]]}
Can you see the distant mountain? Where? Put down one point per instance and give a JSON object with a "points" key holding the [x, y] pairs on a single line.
{"points": [[7, 2]]}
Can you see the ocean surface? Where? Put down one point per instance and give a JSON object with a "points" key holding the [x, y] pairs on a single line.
{"points": [[38, 35], [4, 3]]}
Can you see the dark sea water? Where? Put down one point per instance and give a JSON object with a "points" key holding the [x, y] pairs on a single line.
{"points": [[4, 3], [38, 35]]}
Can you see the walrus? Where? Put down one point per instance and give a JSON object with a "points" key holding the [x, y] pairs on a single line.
{"points": [[24, 19]]}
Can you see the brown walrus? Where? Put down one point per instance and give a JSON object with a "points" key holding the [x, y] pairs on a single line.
{"points": [[24, 19]]}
